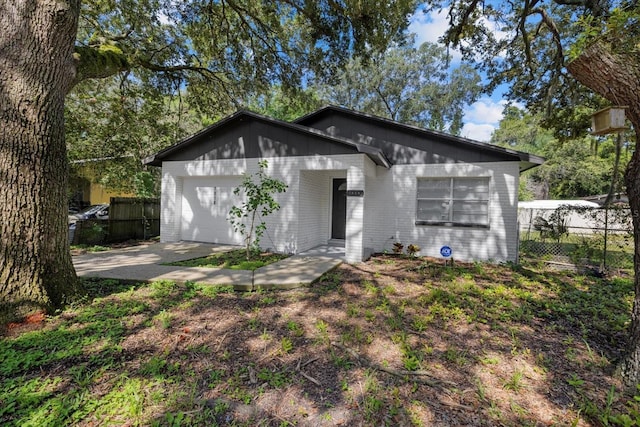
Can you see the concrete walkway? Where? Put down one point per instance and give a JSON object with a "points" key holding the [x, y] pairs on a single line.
{"points": [[143, 263]]}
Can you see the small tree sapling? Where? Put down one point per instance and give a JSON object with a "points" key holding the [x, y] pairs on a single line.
{"points": [[258, 189]]}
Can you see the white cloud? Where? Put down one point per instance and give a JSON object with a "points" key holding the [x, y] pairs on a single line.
{"points": [[499, 34], [485, 110], [482, 117], [164, 19], [477, 132], [428, 27]]}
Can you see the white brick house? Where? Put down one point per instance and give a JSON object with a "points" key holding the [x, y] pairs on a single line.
{"points": [[366, 180]]}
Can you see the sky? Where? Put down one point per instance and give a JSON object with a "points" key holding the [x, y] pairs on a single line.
{"points": [[480, 118]]}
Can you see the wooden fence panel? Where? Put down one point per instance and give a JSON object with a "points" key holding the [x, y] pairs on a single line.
{"points": [[133, 218], [129, 218]]}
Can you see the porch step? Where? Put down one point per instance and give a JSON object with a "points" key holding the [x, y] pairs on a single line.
{"points": [[336, 242]]}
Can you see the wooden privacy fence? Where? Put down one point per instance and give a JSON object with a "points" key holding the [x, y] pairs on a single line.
{"points": [[133, 218], [129, 218]]}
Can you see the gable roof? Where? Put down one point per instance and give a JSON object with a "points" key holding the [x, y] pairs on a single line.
{"points": [[334, 130], [443, 140], [375, 154]]}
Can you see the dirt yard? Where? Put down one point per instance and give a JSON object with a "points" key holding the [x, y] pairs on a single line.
{"points": [[393, 341]]}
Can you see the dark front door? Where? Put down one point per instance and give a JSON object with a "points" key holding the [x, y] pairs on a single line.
{"points": [[339, 214]]}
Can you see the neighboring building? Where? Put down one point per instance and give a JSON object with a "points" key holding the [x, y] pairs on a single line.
{"points": [[572, 216], [84, 191], [618, 199], [533, 215], [352, 177]]}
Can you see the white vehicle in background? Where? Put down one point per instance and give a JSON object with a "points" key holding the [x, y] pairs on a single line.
{"points": [[92, 212]]}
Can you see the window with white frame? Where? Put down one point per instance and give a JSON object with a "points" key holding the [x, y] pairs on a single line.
{"points": [[453, 201]]}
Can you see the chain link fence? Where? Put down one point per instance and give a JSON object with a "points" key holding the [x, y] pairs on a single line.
{"points": [[576, 237]]}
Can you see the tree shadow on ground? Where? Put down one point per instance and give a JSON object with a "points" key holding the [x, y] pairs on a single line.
{"points": [[393, 341]]}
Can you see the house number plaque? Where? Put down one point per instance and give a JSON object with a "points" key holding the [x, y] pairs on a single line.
{"points": [[355, 193]]}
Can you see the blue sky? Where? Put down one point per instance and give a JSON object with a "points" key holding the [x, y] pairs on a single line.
{"points": [[480, 118]]}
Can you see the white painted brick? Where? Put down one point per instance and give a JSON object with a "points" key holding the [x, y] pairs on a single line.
{"points": [[354, 247], [395, 208], [314, 208], [385, 214]]}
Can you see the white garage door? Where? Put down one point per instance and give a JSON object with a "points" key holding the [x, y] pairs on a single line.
{"points": [[205, 208]]}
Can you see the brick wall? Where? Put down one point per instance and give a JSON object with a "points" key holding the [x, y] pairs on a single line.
{"points": [[385, 214], [314, 208], [394, 205]]}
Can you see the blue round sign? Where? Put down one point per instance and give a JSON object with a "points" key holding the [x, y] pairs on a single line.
{"points": [[446, 251]]}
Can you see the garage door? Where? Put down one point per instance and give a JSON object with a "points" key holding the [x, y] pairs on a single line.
{"points": [[205, 207]]}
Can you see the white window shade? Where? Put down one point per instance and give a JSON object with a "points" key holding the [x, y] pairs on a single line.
{"points": [[453, 201]]}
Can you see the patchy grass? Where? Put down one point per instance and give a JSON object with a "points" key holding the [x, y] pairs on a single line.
{"points": [[234, 260], [83, 249], [88, 248], [393, 341]]}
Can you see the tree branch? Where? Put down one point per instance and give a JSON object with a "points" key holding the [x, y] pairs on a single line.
{"points": [[421, 377], [392, 113], [595, 6], [525, 39], [572, 2], [548, 21], [120, 37], [456, 30], [241, 13], [613, 75], [104, 38], [203, 71], [99, 63]]}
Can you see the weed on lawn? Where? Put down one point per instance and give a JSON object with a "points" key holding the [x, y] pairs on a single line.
{"points": [[234, 260], [394, 341]]}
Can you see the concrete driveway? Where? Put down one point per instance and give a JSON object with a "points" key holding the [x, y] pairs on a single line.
{"points": [[144, 264]]}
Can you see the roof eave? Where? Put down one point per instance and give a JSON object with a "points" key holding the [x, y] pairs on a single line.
{"points": [[375, 154], [529, 161], [383, 161], [151, 161]]}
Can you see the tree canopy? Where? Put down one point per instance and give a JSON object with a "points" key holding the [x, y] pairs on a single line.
{"points": [[151, 72], [223, 49], [528, 45], [121, 121], [574, 168], [211, 54], [407, 84]]}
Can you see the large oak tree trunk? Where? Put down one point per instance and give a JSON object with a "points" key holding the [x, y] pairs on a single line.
{"points": [[616, 76], [36, 71]]}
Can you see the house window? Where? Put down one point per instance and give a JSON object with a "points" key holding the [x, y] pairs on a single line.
{"points": [[453, 201]]}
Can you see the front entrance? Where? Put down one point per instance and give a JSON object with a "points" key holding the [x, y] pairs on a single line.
{"points": [[339, 210]]}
